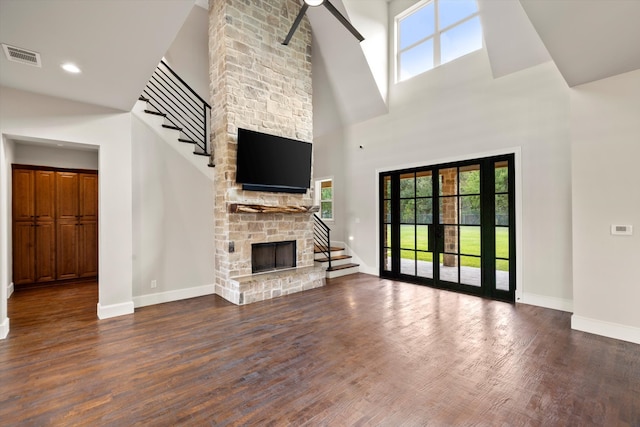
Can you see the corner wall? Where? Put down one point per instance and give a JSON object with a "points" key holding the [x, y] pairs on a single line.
{"points": [[605, 124], [6, 268]]}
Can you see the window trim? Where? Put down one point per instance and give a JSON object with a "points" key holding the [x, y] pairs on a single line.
{"points": [[319, 200], [437, 32]]}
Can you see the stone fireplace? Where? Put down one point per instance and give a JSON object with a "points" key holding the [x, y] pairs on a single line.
{"points": [[258, 84]]}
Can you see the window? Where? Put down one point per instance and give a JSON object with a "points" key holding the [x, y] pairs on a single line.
{"points": [[324, 197], [435, 32]]}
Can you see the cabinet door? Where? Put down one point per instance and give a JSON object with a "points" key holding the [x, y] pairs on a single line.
{"points": [[67, 196], [67, 250], [88, 196], [45, 251], [88, 249], [45, 195], [23, 252], [23, 195]]}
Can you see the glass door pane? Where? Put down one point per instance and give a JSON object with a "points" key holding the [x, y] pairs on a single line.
{"points": [[407, 224], [502, 225], [470, 225], [424, 224], [386, 223]]}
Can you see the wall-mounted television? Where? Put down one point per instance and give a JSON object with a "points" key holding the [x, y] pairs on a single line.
{"points": [[272, 163]]}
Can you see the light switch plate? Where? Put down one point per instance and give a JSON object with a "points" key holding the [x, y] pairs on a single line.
{"points": [[621, 230]]}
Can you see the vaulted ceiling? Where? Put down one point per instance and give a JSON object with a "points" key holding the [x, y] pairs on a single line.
{"points": [[119, 43]]}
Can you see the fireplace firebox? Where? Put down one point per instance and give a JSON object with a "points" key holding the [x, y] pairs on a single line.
{"points": [[273, 256]]}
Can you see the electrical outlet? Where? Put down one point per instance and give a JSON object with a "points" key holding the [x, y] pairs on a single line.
{"points": [[154, 284]]}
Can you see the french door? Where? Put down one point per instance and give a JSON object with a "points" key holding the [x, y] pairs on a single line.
{"points": [[451, 226]]}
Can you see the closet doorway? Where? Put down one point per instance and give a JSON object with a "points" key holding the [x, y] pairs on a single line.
{"points": [[451, 226]]}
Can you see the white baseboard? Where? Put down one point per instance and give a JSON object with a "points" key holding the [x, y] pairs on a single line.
{"points": [[9, 290], [114, 310], [606, 329], [4, 329], [546, 302], [176, 295]]}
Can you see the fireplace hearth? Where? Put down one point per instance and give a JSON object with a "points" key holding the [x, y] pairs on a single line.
{"points": [[273, 256]]}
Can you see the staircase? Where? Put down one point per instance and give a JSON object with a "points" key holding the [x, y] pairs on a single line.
{"points": [[180, 108], [333, 259]]}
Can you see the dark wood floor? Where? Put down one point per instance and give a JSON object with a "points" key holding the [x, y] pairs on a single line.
{"points": [[360, 351]]}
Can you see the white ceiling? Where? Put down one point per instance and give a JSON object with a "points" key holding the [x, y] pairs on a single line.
{"points": [[511, 41], [353, 83], [588, 40], [117, 44]]}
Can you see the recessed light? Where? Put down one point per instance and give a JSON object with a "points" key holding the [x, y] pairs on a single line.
{"points": [[70, 68]]}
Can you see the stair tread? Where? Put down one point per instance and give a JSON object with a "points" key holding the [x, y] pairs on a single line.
{"points": [[342, 267], [188, 141], [317, 250], [333, 258], [157, 113], [142, 98], [201, 154], [171, 127]]}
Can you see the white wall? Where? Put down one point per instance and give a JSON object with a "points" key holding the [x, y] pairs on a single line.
{"points": [[6, 268], [605, 123], [43, 155], [172, 219], [25, 115], [458, 111], [188, 55]]}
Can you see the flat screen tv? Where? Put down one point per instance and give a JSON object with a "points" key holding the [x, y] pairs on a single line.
{"points": [[272, 163]]}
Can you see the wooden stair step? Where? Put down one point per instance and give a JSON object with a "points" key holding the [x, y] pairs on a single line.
{"points": [[171, 127], [188, 141], [157, 113], [317, 250], [142, 98], [342, 267], [197, 153], [333, 258]]}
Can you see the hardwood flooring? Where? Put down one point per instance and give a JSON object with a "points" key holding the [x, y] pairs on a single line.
{"points": [[360, 351]]}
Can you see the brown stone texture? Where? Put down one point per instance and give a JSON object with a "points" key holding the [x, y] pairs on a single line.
{"points": [[258, 84], [449, 187]]}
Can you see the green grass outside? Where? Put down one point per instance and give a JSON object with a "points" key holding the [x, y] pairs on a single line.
{"points": [[469, 245]]}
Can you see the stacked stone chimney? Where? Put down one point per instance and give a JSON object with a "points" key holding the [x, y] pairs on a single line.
{"points": [[258, 84]]}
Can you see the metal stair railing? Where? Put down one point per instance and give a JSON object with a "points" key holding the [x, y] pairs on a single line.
{"points": [[183, 108], [322, 237]]}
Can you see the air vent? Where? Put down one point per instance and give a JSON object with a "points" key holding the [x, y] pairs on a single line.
{"points": [[23, 56]]}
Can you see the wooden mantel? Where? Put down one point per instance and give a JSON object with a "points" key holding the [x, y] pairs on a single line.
{"points": [[252, 208]]}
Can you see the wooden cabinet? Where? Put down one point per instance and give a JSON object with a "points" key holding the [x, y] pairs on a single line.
{"points": [[34, 226], [55, 225]]}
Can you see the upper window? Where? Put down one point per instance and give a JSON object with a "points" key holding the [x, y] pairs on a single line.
{"points": [[435, 32]]}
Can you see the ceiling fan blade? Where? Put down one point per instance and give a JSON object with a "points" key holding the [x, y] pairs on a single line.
{"points": [[303, 9], [343, 20]]}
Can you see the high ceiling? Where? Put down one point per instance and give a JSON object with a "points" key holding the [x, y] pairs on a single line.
{"points": [[118, 44]]}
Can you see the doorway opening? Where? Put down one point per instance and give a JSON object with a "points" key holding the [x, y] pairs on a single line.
{"points": [[451, 226]]}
